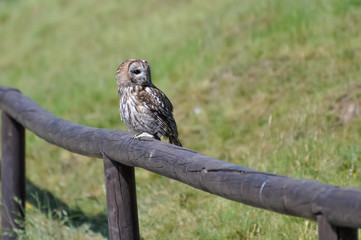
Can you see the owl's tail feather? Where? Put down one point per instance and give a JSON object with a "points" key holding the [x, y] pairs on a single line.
{"points": [[174, 140]]}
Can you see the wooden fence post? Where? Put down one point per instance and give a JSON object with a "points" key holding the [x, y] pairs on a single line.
{"points": [[12, 175], [121, 200], [328, 232]]}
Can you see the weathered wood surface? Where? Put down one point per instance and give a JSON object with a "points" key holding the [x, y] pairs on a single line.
{"points": [[121, 200], [328, 232], [296, 197], [12, 176]]}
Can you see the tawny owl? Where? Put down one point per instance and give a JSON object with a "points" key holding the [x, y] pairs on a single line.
{"points": [[144, 108]]}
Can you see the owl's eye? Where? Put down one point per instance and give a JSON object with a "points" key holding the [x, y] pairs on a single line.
{"points": [[136, 71]]}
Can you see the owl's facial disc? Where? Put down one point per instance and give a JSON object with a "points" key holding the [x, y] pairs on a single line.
{"points": [[138, 73]]}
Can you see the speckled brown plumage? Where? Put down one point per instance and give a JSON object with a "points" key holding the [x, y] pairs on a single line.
{"points": [[143, 107]]}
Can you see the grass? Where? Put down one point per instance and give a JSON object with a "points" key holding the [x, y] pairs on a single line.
{"points": [[257, 84]]}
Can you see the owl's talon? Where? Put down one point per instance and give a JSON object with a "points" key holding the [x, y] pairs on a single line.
{"points": [[145, 134]]}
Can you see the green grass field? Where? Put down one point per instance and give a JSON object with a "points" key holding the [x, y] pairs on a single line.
{"points": [[273, 85]]}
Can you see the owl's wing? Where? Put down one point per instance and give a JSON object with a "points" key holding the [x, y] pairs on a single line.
{"points": [[158, 103]]}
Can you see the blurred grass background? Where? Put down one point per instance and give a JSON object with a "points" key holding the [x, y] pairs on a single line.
{"points": [[272, 85]]}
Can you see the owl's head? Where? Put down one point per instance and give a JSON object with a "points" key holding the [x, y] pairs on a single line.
{"points": [[133, 71]]}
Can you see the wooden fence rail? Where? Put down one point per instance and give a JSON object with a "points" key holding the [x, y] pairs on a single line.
{"points": [[337, 210]]}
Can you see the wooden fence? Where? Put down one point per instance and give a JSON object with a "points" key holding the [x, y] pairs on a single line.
{"points": [[336, 210]]}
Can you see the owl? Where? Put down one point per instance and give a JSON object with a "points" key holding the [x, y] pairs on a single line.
{"points": [[144, 108]]}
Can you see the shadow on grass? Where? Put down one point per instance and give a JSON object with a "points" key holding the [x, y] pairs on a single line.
{"points": [[48, 203]]}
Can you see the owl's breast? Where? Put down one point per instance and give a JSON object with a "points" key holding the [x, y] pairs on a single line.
{"points": [[134, 113]]}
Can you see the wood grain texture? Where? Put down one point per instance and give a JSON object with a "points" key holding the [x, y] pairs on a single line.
{"points": [[121, 200], [12, 176], [296, 197], [326, 231]]}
